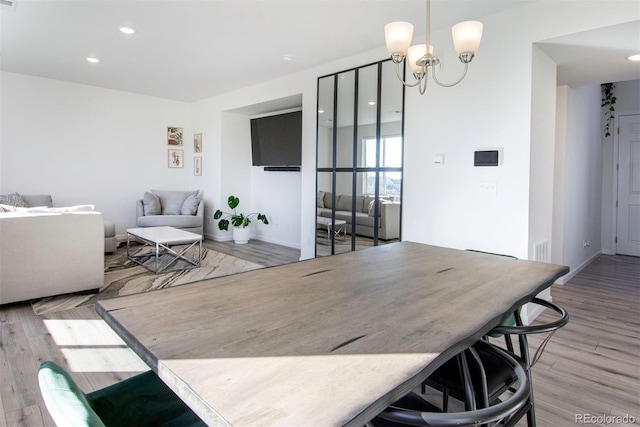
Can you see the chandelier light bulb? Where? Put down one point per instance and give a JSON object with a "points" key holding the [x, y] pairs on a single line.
{"points": [[398, 37], [466, 37], [415, 53]]}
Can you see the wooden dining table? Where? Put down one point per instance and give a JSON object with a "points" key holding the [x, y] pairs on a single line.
{"points": [[329, 341]]}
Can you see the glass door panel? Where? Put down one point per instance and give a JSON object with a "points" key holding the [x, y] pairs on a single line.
{"points": [[325, 122], [334, 213], [345, 119], [367, 109]]}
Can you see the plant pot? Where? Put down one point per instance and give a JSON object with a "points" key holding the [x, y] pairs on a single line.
{"points": [[241, 234]]}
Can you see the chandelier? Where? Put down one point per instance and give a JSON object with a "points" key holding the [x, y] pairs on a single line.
{"points": [[466, 39]]}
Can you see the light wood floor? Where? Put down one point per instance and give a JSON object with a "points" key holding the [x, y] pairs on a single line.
{"points": [[590, 366], [263, 253]]}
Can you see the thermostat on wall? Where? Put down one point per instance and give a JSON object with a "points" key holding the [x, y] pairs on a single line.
{"points": [[487, 157]]}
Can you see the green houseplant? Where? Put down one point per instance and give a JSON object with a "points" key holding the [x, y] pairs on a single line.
{"points": [[608, 103], [240, 221]]}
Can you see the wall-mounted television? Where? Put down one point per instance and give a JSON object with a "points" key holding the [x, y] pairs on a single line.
{"points": [[277, 140]]}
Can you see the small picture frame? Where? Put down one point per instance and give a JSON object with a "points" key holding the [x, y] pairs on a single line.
{"points": [[176, 158], [197, 143], [174, 136], [197, 166]]}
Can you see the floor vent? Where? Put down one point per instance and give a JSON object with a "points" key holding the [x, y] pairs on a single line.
{"points": [[541, 252]]}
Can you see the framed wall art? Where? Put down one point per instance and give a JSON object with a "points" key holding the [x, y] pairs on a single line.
{"points": [[197, 143], [174, 136], [197, 166], [176, 158]]}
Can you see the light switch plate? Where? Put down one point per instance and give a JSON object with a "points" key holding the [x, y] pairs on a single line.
{"points": [[489, 188]]}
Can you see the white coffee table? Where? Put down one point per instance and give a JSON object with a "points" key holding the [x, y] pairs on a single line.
{"points": [[339, 231], [156, 254]]}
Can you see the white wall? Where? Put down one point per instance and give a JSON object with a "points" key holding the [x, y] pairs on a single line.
{"points": [[543, 115], [493, 107], [292, 206], [559, 188], [580, 156], [627, 102], [88, 145], [442, 204]]}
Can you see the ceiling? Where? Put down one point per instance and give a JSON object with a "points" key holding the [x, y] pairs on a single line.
{"points": [[192, 50], [596, 56]]}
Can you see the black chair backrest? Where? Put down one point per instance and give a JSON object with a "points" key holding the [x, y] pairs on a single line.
{"points": [[475, 417]]}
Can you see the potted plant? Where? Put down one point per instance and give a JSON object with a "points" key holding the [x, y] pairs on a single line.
{"points": [[239, 221]]}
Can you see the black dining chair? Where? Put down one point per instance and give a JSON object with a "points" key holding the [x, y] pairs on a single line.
{"points": [[142, 400], [413, 410], [449, 380]]}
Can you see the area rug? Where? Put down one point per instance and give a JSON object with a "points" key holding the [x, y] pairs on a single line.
{"points": [[124, 277]]}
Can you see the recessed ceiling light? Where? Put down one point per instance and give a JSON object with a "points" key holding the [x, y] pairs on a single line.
{"points": [[93, 60], [287, 58], [634, 57], [372, 102], [320, 111], [127, 30]]}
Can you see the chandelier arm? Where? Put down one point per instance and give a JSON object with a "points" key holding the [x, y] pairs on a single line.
{"points": [[423, 87], [402, 80], [433, 73]]}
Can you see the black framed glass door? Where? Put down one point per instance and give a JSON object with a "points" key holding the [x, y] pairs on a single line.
{"points": [[360, 139]]}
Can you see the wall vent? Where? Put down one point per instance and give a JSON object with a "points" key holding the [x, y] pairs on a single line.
{"points": [[541, 251]]}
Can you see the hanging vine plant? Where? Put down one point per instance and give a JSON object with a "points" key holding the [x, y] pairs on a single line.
{"points": [[608, 103]]}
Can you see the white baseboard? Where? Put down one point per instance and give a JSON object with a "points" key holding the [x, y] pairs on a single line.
{"points": [[564, 279], [229, 238], [218, 238], [529, 317]]}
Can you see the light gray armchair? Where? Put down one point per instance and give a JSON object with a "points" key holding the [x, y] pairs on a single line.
{"points": [[178, 209]]}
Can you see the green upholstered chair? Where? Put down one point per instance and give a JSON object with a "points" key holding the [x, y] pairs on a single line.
{"points": [[142, 400]]}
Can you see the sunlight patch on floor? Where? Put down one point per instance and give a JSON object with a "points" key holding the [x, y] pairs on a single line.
{"points": [[92, 346], [101, 359]]}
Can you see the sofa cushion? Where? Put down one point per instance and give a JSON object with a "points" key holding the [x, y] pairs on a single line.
{"points": [[190, 205], [359, 203], [151, 204], [177, 221], [371, 210], [13, 199], [320, 199], [64, 209], [367, 203], [172, 201], [344, 203], [328, 199], [33, 200], [361, 218]]}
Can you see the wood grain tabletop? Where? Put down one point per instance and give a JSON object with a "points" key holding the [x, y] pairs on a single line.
{"points": [[324, 342]]}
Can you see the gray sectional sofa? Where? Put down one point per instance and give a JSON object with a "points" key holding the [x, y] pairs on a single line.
{"points": [[389, 214], [178, 209]]}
